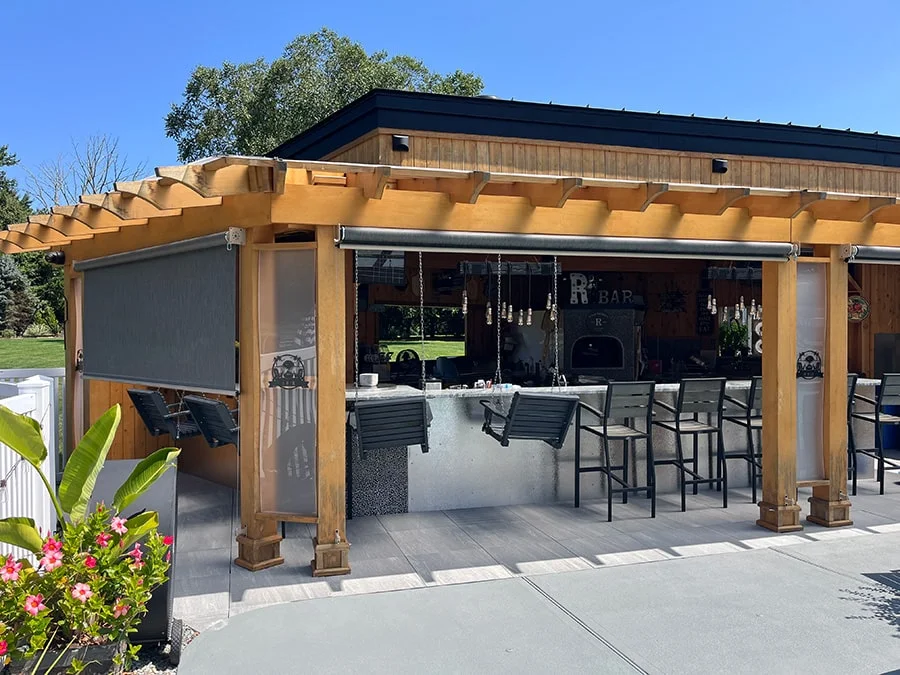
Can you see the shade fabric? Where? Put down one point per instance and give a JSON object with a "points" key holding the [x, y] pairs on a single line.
{"points": [[880, 255], [395, 239], [163, 316]]}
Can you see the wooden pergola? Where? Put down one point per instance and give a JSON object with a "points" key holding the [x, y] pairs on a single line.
{"points": [[271, 197]]}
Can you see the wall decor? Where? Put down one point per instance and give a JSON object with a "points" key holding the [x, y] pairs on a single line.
{"points": [[858, 309], [673, 300], [809, 365]]}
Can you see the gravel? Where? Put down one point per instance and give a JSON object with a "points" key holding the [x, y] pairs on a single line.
{"points": [[155, 660]]}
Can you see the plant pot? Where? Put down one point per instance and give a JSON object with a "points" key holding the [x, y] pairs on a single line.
{"points": [[98, 657]]}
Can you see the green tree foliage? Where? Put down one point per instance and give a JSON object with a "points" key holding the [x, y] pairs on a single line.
{"points": [[17, 302], [14, 208], [251, 108], [402, 322]]}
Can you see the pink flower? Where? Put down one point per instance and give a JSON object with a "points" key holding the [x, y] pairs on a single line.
{"points": [[138, 564], [168, 540], [52, 560], [140, 582], [118, 525], [52, 546], [120, 608], [82, 592], [10, 571], [90, 562], [168, 556], [136, 553], [34, 604], [3, 647], [103, 539]]}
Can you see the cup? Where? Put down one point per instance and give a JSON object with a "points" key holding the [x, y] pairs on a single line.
{"points": [[368, 379]]}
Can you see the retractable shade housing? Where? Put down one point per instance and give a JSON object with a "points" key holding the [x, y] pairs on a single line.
{"points": [[395, 239], [162, 316], [876, 255]]}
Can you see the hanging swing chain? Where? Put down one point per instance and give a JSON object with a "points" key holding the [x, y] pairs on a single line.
{"points": [[422, 319], [355, 325], [498, 375], [555, 316]]}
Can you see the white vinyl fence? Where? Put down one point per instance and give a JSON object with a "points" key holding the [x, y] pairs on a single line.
{"points": [[58, 389], [22, 493]]}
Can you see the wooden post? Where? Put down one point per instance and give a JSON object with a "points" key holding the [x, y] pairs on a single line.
{"points": [[778, 509], [260, 546], [74, 416], [330, 544], [829, 504]]}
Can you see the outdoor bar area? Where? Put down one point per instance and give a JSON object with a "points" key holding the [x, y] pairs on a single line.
{"points": [[431, 302]]}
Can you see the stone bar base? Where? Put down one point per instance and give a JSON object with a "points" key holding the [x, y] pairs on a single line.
{"points": [[829, 514], [779, 518], [258, 554], [331, 559]]}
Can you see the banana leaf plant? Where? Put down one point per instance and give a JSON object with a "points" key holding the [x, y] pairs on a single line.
{"points": [[23, 435]]}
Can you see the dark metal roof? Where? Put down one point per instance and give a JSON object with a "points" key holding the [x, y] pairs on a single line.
{"points": [[550, 122]]}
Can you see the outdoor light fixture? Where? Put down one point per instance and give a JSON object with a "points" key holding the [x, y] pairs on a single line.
{"points": [[399, 143], [720, 166], [56, 257]]}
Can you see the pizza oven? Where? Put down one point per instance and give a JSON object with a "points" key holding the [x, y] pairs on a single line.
{"points": [[601, 343]]}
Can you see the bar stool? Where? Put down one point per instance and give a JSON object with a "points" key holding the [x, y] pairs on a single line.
{"points": [[626, 402], [851, 439], [749, 416], [889, 394], [695, 397]]}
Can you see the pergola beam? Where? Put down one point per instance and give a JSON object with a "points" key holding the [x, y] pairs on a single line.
{"points": [[42, 233], [165, 196], [26, 242], [231, 179], [805, 199], [94, 218], [464, 190], [127, 208]]}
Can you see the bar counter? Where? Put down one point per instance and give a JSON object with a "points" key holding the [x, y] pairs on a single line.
{"points": [[465, 468]]}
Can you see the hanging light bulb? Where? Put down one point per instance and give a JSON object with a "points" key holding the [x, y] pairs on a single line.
{"points": [[528, 318], [549, 301], [510, 313], [503, 310], [713, 309], [743, 306], [709, 303], [465, 303], [487, 314], [753, 308], [521, 316]]}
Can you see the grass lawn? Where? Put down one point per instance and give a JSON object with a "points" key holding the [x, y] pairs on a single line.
{"points": [[433, 348], [32, 353]]}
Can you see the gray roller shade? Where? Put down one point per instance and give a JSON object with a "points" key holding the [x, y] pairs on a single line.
{"points": [[163, 316], [876, 255], [395, 239]]}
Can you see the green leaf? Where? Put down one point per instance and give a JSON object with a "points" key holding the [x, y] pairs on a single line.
{"points": [[22, 434], [144, 475], [21, 532], [140, 526], [81, 471]]}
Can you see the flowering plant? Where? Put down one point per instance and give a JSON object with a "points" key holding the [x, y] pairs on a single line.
{"points": [[94, 577]]}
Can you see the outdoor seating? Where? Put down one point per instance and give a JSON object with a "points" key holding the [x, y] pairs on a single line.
{"points": [[391, 423], [696, 397], [851, 438], [162, 418], [626, 402], [749, 416], [888, 395], [217, 423], [538, 417]]}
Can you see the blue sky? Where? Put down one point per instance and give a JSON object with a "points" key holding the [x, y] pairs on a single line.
{"points": [[71, 69]]}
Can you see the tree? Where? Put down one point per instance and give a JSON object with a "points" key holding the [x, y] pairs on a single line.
{"points": [[14, 208], [90, 167], [251, 108]]}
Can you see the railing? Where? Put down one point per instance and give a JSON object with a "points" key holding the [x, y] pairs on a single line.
{"points": [[58, 393]]}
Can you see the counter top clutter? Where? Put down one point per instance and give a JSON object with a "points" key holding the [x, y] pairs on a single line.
{"points": [[401, 390]]}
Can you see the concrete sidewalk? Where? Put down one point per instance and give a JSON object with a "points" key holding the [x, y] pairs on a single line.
{"points": [[832, 606]]}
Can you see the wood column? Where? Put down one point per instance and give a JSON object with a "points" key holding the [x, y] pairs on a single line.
{"points": [[778, 509], [260, 545], [74, 414], [330, 544], [829, 504]]}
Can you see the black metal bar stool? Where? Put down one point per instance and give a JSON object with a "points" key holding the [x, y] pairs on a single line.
{"points": [[626, 402], [889, 394], [749, 416], [851, 439], [696, 397]]}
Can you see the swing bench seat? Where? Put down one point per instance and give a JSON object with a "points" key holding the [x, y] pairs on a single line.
{"points": [[160, 417], [217, 422], [536, 417], [392, 423]]}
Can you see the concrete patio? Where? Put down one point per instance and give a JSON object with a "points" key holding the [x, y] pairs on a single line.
{"points": [[409, 551]]}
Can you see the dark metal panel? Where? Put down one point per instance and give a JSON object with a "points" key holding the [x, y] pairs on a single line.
{"points": [[488, 242], [163, 250]]}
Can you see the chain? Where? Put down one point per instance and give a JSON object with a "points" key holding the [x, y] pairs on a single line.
{"points": [[422, 319], [355, 325], [498, 376], [555, 317]]}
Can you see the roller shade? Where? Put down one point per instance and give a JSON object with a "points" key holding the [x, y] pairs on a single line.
{"points": [[162, 316], [393, 239], [876, 255]]}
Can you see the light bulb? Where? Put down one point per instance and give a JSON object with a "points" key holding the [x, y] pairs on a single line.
{"points": [[549, 301], [510, 313], [709, 303], [742, 304], [503, 310], [487, 314], [528, 318], [714, 309], [521, 316]]}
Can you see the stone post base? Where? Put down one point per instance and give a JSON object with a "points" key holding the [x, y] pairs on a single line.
{"points": [[829, 514], [331, 559], [779, 518], [258, 554]]}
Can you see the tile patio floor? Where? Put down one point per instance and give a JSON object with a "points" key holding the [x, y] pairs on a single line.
{"points": [[404, 551]]}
